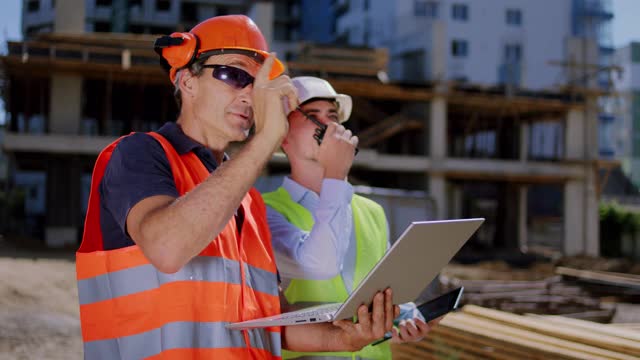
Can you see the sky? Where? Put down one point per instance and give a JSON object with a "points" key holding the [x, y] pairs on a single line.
{"points": [[625, 26]]}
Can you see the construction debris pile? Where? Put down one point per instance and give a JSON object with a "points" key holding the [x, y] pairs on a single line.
{"points": [[549, 289], [481, 333]]}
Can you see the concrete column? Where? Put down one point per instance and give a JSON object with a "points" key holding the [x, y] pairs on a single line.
{"points": [[574, 208], [70, 16], [262, 13], [524, 141], [439, 51], [438, 129], [582, 219], [63, 201], [592, 223], [592, 214], [523, 230], [574, 134], [66, 102], [438, 190], [438, 153], [456, 202]]}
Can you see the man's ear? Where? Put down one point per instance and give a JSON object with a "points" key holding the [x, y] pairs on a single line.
{"points": [[188, 83]]}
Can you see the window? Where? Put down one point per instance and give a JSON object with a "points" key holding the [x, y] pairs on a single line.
{"points": [[100, 26], [163, 5], [460, 12], [512, 53], [425, 8], [635, 53], [513, 17], [459, 48], [365, 5], [103, 2], [136, 29], [135, 3], [189, 12], [33, 5]]}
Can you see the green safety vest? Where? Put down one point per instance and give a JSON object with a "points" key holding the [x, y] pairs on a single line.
{"points": [[371, 243]]}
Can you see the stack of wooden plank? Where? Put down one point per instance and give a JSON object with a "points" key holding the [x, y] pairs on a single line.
{"points": [[621, 280], [481, 333], [547, 296]]}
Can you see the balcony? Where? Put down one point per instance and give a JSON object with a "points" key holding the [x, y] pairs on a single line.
{"points": [[595, 9], [55, 143]]}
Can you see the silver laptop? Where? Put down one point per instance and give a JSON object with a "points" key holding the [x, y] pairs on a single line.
{"points": [[413, 261]]}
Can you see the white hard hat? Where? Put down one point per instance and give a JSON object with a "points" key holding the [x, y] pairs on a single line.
{"points": [[310, 87]]}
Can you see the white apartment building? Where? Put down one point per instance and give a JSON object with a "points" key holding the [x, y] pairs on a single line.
{"points": [[481, 42], [626, 134]]}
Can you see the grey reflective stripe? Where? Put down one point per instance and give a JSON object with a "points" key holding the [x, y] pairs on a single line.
{"points": [[261, 280], [146, 277], [179, 335], [266, 340]]}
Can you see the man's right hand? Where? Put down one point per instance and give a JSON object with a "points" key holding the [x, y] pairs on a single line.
{"points": [[337, 151], [269, 97], [371, 326]]}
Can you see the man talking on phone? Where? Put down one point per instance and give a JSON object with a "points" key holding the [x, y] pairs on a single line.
{"points": [[326, 239]]}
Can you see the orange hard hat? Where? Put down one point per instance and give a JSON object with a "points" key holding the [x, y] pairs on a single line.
{"points": [[229, 34]]}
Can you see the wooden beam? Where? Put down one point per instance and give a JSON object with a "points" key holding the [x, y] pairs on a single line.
{"points": [[596, 342], [590, 326], [602, 277]]}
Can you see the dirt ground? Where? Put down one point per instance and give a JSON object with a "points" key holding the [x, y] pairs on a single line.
{"points": [[39, 306]]}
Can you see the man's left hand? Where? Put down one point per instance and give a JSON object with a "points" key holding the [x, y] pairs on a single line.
{"points": [[412, 330]]}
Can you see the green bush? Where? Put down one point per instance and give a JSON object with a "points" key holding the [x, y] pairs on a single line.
{"points": [[615, 223]]}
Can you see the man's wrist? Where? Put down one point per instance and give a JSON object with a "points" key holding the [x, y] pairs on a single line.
{"points": [[335, 174], [339, 341], [266, 142]]}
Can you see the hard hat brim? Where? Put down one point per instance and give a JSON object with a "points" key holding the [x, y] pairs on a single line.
{"points": [[277, 69], [345, 104]]}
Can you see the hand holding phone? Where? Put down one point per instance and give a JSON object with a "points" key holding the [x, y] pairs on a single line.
{"points": [[321, 129], [435, 308]]}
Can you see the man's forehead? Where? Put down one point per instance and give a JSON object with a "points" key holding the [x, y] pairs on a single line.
{"points": [[237, 60]]}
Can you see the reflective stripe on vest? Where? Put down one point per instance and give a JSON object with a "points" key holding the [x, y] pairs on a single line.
{"points": [[370, 226], [130, 310], [180, 335], [146, 277]]}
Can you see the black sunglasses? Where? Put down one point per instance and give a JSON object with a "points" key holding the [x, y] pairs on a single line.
{"points": [[318, 134], [232, 76]]}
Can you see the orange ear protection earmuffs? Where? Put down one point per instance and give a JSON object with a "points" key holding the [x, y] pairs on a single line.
{"points": [[178, 50]]}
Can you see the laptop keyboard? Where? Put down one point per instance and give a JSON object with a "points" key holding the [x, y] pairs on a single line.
{"points": [[310, 312]]}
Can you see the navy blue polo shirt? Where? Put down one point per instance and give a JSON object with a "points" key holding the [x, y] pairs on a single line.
{"points": [[138, 169]]}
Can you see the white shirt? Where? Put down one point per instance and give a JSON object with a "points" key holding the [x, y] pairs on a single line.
{"points": [[318, 254]]}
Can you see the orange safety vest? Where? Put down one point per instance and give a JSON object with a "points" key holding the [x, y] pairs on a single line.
{"points": [[130, 310]]}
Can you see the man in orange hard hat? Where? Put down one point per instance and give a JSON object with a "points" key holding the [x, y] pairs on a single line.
{"points": [[176, 243]]}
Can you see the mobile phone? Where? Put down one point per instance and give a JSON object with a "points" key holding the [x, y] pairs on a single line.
{"points": [[321, 128], [437, 307]]}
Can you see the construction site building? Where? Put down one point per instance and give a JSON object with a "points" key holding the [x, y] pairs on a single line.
{"points": [[477, 151]]}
